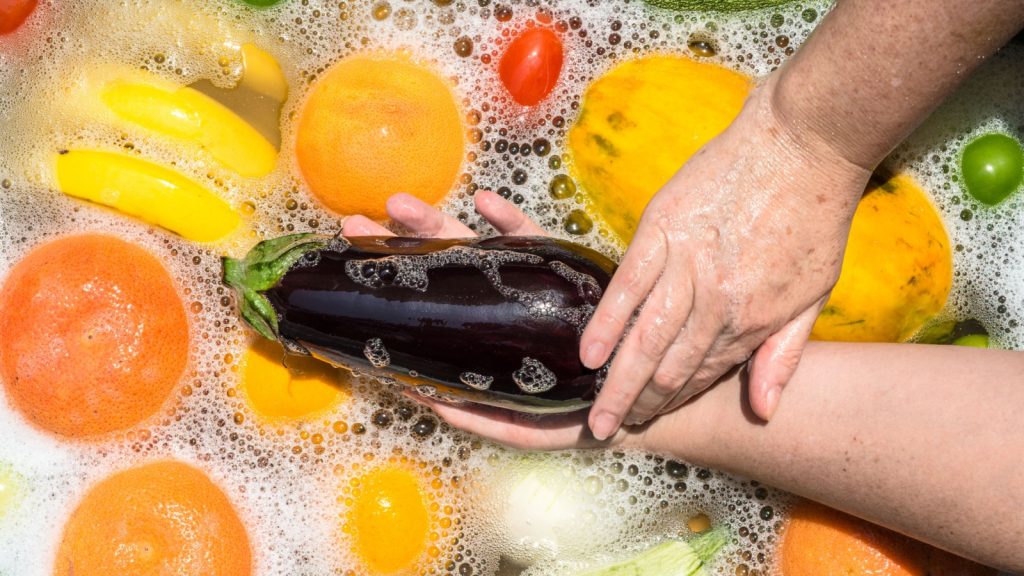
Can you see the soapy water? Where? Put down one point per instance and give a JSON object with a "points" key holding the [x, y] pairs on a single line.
{"points": [[285, 484]]}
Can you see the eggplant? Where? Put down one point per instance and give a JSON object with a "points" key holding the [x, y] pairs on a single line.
{"points": [[493, 321]]}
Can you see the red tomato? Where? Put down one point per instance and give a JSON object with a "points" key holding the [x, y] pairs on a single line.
{"points": [[530, 67], [13, 13]]}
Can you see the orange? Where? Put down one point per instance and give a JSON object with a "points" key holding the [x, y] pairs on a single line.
{"points": [[157, 519], [389, 518], [820, 541], [95, 336], [290, 387], [375, 125]]}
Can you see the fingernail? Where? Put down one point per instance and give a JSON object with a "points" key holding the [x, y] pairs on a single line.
{"points": [[771, 401], [604, 426], [594, 356]]}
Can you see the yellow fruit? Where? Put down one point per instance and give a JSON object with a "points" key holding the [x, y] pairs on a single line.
{"points": [[147, 191], [390, 520], [897, 270], [262, 73], [188, 114], [640, 123], [304, 387]]}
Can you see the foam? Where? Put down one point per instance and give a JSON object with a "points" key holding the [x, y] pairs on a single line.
{"points": [[285, 479]]}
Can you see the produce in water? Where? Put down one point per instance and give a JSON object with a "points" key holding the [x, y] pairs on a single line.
{"points": [[495, 321]]}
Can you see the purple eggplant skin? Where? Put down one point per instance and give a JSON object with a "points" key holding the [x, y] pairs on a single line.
{"points": [[495, 321]]}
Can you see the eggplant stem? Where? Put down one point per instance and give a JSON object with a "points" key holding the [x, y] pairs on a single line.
{"points": [[261, 269]]}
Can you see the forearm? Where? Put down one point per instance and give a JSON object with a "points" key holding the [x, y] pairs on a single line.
{"points": [[872, 71], [925, 440]]}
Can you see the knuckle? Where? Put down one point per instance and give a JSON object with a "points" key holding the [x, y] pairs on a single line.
{"points": [[666, 382], [655, 339]]}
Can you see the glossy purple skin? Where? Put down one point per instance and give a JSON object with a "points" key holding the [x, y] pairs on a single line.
{"points": [[460, 323]]}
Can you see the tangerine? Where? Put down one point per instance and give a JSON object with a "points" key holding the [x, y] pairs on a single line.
{"points": [[95, 336], [376, 125], [160, 518]]}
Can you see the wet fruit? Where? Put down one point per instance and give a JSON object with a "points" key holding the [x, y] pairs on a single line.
{"points": [[820, 541], [292, 388], [375, 125], [640, 123], [389, 520], [897, 270], [993, 167], [531, 64], [160, 518], [95, 336]]}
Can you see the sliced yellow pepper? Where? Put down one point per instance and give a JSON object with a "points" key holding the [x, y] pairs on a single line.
{"points": [[147, 191], [191, 115], [262, 73]]}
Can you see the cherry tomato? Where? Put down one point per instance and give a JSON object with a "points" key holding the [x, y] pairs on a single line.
{"points": [[530, 67], [13, 13], [993, 167]]}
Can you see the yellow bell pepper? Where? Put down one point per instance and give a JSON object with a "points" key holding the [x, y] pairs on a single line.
{"points": [[147, 191], [262, 74], [191, 115]]}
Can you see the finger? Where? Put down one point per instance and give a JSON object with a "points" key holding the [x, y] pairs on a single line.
{"points": [[363, 226], [776, 361], [681, 361], [630, 286], [641, 352], [555, 432], [505, 216], [424, 219]]}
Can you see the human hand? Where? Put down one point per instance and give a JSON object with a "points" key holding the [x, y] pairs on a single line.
{"points": [[736, 254]]}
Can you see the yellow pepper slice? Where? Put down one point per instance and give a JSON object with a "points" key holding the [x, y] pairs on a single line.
{"points": [[191, 115], [147, 191], [262, 73]]}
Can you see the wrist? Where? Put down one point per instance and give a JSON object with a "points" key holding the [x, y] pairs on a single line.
{"points": [[812, 124]]}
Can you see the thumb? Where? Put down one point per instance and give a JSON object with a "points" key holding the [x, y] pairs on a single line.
{"points": [[776, 360]]}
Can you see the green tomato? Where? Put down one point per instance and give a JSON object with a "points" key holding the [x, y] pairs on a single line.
{"points": [[261, 3], [972, 340], [993, 166]]}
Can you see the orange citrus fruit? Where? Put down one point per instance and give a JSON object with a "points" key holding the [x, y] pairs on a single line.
{"points": [[160, 518], [95, 336], [820, 541], [290, 387], [389, 519], [375, 125]]}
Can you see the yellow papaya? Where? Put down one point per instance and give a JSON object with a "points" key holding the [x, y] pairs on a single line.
{"points": [[897, 270], [640, 122]]}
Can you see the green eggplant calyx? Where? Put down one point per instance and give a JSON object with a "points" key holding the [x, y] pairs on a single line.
{"points": [[261, 269]]}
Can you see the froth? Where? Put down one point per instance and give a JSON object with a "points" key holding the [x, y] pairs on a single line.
{"points": [[286, 478]]}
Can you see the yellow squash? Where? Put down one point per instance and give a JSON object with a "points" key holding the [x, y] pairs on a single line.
{"points": [[897, 271], [147, 191], [640, 122]]}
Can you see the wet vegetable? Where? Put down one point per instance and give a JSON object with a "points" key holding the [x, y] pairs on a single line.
{"points": [[993, 167], [530, 67], [493, 321], [671, 558]]}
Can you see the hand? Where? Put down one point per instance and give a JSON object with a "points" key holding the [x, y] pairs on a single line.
{"points": [[736, 254]]}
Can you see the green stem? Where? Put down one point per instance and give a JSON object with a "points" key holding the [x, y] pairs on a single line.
{"points": [[261, 269]]}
